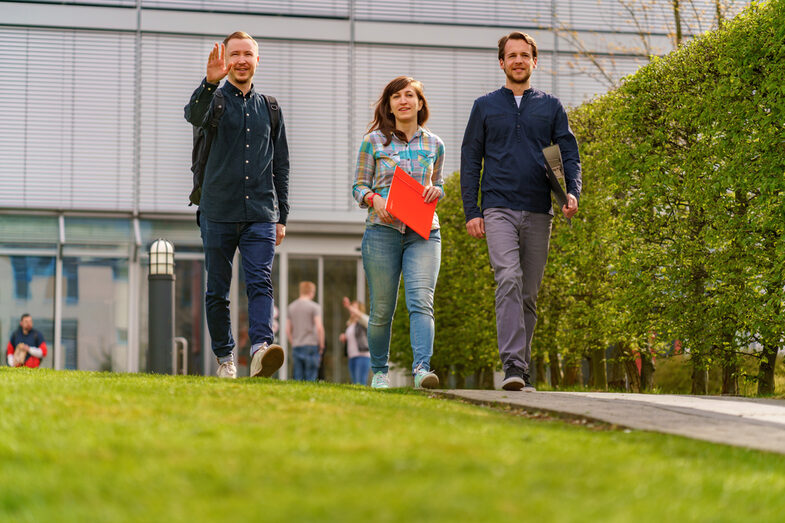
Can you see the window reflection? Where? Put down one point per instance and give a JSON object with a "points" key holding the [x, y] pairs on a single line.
{"points": [[95, 313], [27, 285]]}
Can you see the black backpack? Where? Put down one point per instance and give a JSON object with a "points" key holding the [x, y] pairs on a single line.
{"points": [[203, 140]]}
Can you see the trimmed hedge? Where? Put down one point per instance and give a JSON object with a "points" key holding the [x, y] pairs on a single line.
{"points": [[680, 228]]}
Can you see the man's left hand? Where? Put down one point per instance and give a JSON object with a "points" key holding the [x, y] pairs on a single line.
{"points": [[571, 208], [280, 233]]}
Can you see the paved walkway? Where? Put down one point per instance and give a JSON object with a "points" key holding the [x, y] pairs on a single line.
{"points": [[743, 422]]}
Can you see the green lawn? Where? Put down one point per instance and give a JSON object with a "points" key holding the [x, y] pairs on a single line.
{"points": [[80, 446]]}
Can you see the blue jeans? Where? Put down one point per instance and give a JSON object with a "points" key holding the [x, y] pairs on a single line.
{"points": [[257, 247], [388, 254], [305, 360], [358, 369]]}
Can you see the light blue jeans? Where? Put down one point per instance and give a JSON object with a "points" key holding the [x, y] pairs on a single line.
{"points": [[388, 255]]}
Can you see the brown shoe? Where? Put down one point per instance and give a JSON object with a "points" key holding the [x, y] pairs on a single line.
{"points": [[266, 360]]}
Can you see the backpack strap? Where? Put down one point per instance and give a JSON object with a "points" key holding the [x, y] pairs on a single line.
{"points": [[275, 113]]}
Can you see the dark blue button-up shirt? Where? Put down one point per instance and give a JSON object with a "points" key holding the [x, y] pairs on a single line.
{"points": [[246, 178], [510, 139]]}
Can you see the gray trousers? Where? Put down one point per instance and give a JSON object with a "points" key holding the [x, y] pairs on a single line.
{"points": [[518, 248]]}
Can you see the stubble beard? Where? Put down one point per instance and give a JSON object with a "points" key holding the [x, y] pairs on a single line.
{"points": [[527, 76]]}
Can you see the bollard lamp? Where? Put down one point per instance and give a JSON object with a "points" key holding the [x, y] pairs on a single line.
{"points": [[161, 258]]}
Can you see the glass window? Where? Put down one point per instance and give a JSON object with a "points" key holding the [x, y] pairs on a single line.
{"points": [[340, 279], [28, 231], [27, 286], [95, 313]]}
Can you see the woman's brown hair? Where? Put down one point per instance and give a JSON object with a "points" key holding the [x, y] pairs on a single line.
{"points": [[383, 118]]}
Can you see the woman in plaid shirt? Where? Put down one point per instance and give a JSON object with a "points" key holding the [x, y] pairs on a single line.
{"points": [[389, 248]]}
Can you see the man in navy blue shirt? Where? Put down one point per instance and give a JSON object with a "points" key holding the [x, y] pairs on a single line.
{"points": [[244, 201], [501, 158], [26, 346]]}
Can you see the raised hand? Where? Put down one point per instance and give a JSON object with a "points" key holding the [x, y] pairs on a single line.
{"points": [[216, 64]]}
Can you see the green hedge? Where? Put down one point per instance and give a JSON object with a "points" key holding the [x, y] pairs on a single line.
{"points": [[679, 233], [680, 230]]}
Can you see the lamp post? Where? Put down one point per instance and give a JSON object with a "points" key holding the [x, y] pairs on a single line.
{"points": [[160, 308]]}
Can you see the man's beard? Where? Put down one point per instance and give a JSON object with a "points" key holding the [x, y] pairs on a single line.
{"points": [[512, 79]]}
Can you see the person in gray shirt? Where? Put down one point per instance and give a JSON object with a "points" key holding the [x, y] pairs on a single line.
{"points": [[306, 333]]}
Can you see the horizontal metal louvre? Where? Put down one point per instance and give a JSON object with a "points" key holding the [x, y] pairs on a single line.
{"points": [[67, 134], [647, 17], [110, 3], [309, 81], [523, 13], [329, 8]]}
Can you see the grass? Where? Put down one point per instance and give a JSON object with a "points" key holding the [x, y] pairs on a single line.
{"points": [[80, 446]]}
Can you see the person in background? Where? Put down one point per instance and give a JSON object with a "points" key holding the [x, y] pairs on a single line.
{"points": [[306, 333], [26, 346], [356, 340]]}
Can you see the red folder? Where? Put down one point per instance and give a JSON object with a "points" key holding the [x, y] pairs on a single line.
{"points": [[405, 201]]}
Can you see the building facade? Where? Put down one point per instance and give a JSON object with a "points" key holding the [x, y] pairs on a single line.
{"points": [[96, 153]]}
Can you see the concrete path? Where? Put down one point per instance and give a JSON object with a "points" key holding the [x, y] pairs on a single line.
{"points": [[743, 422]]}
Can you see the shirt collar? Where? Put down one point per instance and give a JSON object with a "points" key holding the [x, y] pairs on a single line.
{"points": [[504, 89], [232, 89], [417, 133]]}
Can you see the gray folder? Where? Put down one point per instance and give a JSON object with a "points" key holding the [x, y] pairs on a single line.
{"points": [[555, 170]]}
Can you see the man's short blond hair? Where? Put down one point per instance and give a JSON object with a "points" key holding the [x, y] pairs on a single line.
{"points": [[241, 35], [307, 287]]}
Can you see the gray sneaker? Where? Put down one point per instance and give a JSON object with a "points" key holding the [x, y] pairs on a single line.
{"points": [[266, 360]]}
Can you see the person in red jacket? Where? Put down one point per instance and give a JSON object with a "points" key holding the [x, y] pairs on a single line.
{"points": [[30, 340]]}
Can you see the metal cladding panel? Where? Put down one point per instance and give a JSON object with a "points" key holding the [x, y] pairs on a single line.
{"points": [[328, 8], [67, 134], [106, 3], [643, 16], [452, 80], [507, 13], [309, 80]]}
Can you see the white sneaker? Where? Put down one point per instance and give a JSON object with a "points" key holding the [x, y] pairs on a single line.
{"points": [[227, 370], [381, 380], [266, 360]]}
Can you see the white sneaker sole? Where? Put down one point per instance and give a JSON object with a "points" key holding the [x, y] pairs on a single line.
{"points": [[271, 361], [513, 383], [430, 381]]}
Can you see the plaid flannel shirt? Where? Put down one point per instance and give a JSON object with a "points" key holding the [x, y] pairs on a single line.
{"points": [[422, 158]]}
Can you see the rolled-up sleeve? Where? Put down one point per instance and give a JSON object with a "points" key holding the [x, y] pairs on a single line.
{"points": [[364, 172], [438, 166]]}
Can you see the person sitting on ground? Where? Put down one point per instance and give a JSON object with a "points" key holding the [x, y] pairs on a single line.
{"points": [[26, 346]]}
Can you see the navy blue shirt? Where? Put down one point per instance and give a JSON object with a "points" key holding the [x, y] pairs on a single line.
{"points": [[246, 178], [510, 140]]}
